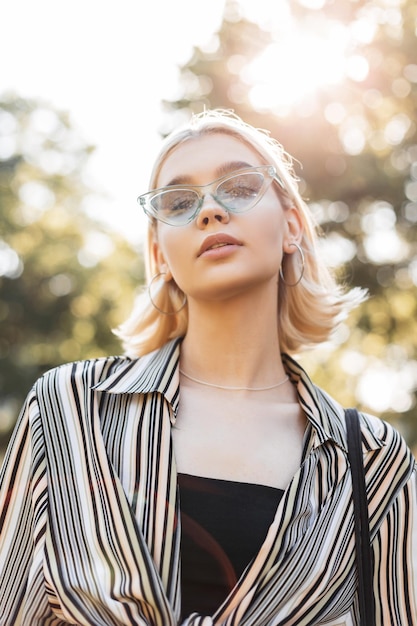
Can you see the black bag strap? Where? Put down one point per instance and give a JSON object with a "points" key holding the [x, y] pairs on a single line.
{"points": [[360, 505]]}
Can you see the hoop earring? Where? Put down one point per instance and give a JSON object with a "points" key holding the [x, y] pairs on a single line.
{"points": [[300, 250], [153, 302]]}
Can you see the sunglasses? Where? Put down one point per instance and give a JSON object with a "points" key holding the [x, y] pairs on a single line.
{"points": [[237, 192]]}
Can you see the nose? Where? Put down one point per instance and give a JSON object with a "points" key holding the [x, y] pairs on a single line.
{"points": [[211, 211]]}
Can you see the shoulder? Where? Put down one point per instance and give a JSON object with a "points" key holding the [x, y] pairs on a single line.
{"points": [[373, 427], [390, 474], [390, 467], [66, 395], [85, 373], [394, 450], [384, 444], [376, 432]]}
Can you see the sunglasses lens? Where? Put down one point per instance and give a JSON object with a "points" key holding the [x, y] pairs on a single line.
{"points": [[240, 192], [175, 206]]}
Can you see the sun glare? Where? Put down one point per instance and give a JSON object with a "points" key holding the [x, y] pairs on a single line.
{"points": [[297, 64], [304, 57]]}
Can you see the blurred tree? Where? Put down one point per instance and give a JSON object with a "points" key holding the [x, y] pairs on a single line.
{"points": [[65, 281], [336, 84]]}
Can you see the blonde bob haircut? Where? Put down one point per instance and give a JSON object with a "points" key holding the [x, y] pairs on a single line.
{"points": [[308, 312]]}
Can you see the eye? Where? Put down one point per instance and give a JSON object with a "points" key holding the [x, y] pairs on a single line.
{"points": [[177, 202], [241, 187]]}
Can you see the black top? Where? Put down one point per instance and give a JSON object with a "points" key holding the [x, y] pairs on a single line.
{"points": [[224, 524]]}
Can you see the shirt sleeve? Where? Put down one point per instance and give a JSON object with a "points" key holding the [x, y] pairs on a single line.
{"points": [[23, 504], [395, 551]]}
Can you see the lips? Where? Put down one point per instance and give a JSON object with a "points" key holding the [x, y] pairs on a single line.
{"points": [[217, 241]]}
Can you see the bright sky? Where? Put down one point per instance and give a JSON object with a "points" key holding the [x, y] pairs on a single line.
{"points": [[108, 64]]}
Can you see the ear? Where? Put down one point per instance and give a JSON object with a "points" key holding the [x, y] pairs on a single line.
{"points": [[294, 230], [159, 261]]}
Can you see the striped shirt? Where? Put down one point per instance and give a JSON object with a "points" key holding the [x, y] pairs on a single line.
{"points": [[90, 523]]}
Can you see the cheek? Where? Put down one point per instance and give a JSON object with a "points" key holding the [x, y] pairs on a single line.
{"points": [[164, 244], [173, 251], [271, 229], [273, 249], [270, 240]]}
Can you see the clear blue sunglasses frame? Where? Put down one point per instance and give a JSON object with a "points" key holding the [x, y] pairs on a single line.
{"points": [[201, 191]]}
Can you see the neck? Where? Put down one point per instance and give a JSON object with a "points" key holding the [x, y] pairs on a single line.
{"points": [[233, 343], [229, 388]]}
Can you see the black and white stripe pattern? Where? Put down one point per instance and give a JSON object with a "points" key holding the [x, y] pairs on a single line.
{"points": [[90, 523]]}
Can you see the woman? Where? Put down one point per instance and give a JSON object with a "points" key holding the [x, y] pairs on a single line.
{"points": [[203, 479]]}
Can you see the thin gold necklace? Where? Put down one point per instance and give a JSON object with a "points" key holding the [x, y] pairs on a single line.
{"points": [[203, 382]]}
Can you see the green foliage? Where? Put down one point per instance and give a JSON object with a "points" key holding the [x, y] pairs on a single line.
{"points": [[65, 281], [356, 139]]}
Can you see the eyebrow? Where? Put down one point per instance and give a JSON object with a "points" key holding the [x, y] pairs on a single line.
{"points": [[222, 170]]}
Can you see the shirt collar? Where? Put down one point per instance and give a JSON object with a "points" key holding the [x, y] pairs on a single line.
{"points": [[158, 372], [326, 415]]}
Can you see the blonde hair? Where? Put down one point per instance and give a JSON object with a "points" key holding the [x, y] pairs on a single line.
{"points": [[308, 312]]}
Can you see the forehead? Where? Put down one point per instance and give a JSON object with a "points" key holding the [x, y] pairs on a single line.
{"points": [[201, 159]]}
